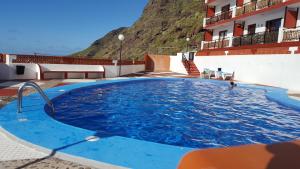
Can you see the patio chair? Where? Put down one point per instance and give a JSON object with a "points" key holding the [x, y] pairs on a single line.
{"points": [[228, 76], [208, 73]]}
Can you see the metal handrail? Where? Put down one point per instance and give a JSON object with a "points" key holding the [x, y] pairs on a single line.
{"points": [[36, 87], [186, 61]]}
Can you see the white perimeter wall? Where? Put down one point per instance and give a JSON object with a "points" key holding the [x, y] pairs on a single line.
{"points": [[69, 67], [274, 70], [176, 64], [113, 71], [8, 71]]}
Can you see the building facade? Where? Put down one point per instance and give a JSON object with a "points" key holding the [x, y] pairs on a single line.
{"points": [[236, 23]]}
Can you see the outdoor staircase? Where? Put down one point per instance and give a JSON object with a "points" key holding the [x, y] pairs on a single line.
{"points": [[191, 68]]}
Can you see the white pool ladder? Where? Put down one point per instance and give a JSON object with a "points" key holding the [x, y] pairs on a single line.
{"points": [[37, 88]]}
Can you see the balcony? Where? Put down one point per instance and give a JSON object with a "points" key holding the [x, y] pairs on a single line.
{"points": [[255, 6], [290, 35], [221, 43], [258, 38], [219, 17]]}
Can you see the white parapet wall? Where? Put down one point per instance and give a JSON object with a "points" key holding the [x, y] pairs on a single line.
{"points": [[32, 70], [8, 71], [78, 71], [280, 70], [113, 71], [176, 64]]}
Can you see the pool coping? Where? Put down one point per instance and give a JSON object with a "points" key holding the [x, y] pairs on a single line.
{"points": [[11, 125]]}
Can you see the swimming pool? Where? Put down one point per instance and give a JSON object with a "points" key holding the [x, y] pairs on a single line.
{"points": [[182, 112], [43, 131]]}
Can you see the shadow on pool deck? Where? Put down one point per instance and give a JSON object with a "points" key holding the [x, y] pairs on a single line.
{"points": [[52, 154]]}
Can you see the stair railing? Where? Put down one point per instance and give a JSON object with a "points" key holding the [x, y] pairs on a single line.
{"points": [[186, 62], [37, 88]]}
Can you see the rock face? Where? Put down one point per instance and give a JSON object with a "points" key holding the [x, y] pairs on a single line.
{"points": [[162, 29]]}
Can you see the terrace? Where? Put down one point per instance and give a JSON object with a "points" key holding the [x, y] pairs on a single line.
{"points": [[255, 6], [219, 17], [220, 43], [257, 38], [247, 9], [284, 35]]}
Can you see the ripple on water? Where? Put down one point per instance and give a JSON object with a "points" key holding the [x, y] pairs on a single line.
{"points": [[188, 113]]}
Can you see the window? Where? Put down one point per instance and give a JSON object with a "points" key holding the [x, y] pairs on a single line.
{"points": [[273, 25], [251, 29], [222, 35], [225, 8]]}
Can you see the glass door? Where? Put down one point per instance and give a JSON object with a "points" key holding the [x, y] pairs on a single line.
{"points": [[273, 25], [272, 30]]}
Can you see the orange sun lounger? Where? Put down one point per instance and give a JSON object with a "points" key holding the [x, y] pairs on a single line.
{"points": [[275, 156]]}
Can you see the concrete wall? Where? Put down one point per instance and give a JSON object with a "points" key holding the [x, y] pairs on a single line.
{"points": [[68, 67], [158, 63], [32, 71], [275, 70], [110, 71], [113, 71], [4, 69], [176, 64], [8, 71]]}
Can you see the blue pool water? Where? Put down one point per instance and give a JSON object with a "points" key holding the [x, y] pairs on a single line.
{"points": [[183, 112]]}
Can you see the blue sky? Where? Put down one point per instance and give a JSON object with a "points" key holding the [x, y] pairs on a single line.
{"points": [[61, 27]]}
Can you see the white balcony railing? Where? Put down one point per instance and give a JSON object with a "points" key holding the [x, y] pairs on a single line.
{"points": [[219, 43], [290, 35]]}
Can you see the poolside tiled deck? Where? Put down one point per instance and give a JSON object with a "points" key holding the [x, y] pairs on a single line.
{"points": [[12, 150], [48, 163]]}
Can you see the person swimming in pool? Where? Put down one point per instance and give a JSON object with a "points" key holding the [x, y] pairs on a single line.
{"points": [[232, 84]]}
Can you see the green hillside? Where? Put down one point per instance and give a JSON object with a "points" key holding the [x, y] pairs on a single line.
{"points": [[162, 29]]}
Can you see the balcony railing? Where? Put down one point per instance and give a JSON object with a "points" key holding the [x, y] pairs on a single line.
{"points": [[219, 17], [222, 43], [291, 35], [257, 5], [258, 38]]}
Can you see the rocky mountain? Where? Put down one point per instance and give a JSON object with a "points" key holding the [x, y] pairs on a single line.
{"points": [[162, 29]]}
